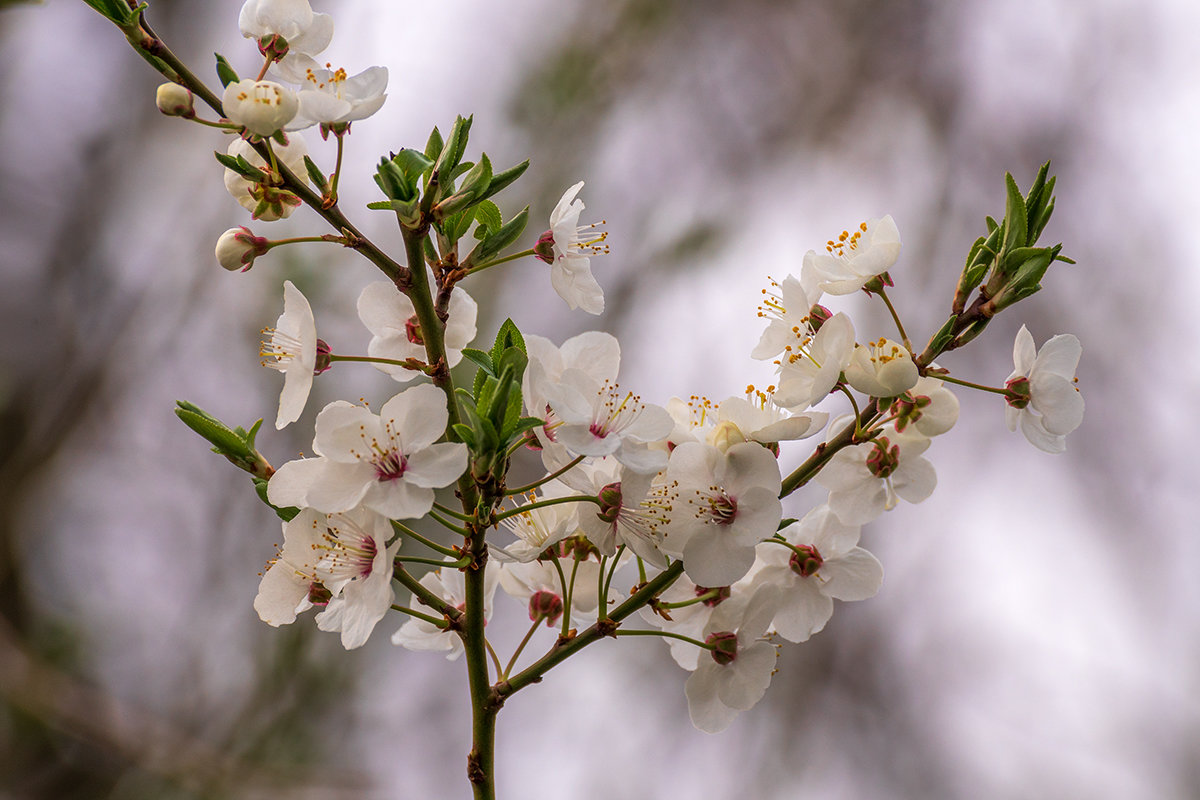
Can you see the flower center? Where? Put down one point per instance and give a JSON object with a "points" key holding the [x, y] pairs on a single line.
{"points": [[615, 412], [846, 242], [346, 550], [279, 349], [390, 466], [722, 509]]}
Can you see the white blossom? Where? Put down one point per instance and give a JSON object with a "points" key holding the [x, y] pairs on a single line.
{"points": [[396, 333], [291, 348], [721, 505], [825, 565], [881, 369], [735, 676], [867, 479], [1051, 406], [262, 107], [450, 586], [853, 259], [341, 561], [330, 96], [389, 462], [810, 368], [294, 20], [267, 203], [567, 248]]}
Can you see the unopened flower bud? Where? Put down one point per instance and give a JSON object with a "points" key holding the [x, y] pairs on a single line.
{"points": [[262, 107], [725, 435], [547, 605], [175, 101], [724, 647], [238, 247]]}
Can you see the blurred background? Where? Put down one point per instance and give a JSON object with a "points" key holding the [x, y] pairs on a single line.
{"points": [[1037, 633]]}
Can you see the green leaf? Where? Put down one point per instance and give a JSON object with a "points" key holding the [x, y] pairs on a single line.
{"points": [[494, 244], [479, 357], [488, 217], [938, 342], [433, 145], [465, 434], [508, 336], [314, 174], [225, 72], [412, 163], [502, 179], [241, 166], [1016, 219]]}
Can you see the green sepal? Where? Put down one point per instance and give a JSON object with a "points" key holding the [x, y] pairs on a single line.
{"points": [[783, 523], [225, 73], [315, 175], [287, 513]]}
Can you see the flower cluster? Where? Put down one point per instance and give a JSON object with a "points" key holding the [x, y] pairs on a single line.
{"points": [[681, 513]]}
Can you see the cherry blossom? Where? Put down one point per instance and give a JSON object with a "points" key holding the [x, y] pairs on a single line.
{"points": [[341, 561], [810, 368], [267, 202], [824, 565], [291, 348], [1044, 399], [722, 504], [736, 674], [450, 585], [292, 20], [567, 248], [329, 96], [881, 369], [867, 479], [853, 258], [396, 334], [261, 107], [389, 462]]}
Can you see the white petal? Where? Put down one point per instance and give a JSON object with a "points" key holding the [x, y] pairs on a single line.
{"points": [[855, 576]]}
